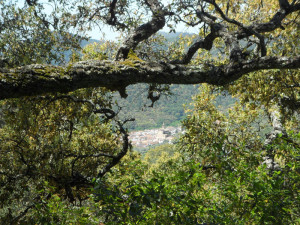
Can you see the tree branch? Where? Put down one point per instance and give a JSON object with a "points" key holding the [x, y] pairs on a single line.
{"points": [[40, 79], [249, 29], [144, 31], [206, 43], [273, 24], [219, 30], [116, 159], [276, 120]]}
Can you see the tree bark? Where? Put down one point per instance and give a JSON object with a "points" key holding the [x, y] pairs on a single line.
{"points": [[41, 79]]}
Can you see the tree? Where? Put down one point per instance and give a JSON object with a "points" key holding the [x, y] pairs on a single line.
{"points": [[246, 155], [217, 173], [28, 36], [61, 144]]}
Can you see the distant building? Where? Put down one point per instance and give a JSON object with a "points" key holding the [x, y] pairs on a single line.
{"points": [[146, 138]]}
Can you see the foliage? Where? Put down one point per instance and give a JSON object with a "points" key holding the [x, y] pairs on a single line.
{"points": [[184, 192], [52, 209], [54, 139], [101, 51], [26, 38], [56, 150], [218, 178], [158, 155]]}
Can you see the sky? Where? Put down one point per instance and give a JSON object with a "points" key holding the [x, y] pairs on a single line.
{"points": [[107, 32], [110, 34]]}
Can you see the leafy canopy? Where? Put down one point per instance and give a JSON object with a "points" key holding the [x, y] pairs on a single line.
{"points": [[57, 149]]}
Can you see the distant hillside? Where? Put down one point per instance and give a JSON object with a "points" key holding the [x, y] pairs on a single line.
{"points": [[174, 36], [85, 42], [67, 54], [169, 110]]}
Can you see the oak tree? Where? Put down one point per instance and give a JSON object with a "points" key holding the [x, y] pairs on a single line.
{"points": [[60, 138]]}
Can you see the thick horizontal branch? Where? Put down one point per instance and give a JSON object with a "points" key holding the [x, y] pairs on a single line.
{"points": [[41, 79]]}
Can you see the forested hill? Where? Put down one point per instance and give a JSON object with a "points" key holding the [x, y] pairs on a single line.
{"points": [[169, 110]]}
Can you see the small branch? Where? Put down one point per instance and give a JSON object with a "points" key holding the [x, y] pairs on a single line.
{"points": [[113, 20], [206, 43], [243, 32], [249, 29], [204, 167], [273, 24], [278, 129], [146, 30], [22, 214], [109, 113], [125, 147]]}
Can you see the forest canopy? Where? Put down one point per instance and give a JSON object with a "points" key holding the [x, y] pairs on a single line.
{"points": [[65, 155]]}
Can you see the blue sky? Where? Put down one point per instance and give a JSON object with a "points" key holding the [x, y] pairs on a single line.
{"points": [[107, 32]]}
